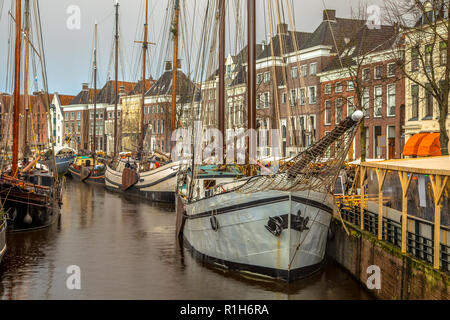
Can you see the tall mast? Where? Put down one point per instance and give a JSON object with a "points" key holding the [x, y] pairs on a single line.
{"points": [[18, 47], [26, 81], [95, 90], [175, 65], [144, 56], [222, 14], [117, 72], [251, 74]]}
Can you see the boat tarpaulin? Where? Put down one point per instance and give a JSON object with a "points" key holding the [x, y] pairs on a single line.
{"points": [[430, 145], [413, 143]]}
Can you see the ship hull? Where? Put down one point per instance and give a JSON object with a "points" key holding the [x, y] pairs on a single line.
{"points": [[157, 185], [95, 178], [63, 164], [229, 230], [2, 240], [28, 211]]}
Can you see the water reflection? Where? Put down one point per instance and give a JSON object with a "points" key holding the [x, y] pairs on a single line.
{"points": [[126, 249]]}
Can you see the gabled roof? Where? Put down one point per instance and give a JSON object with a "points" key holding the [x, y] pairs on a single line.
{"points": [[287, 42], [84, 97], [65, 99], [340, 28], [163, 86], [365, 41], [138, 87], [107, 93]]}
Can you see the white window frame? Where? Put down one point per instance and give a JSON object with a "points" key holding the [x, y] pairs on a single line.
{"points": [[375, 107], [302, 97], [388, 74], [310, 96], [327, 88], [327, 123], [350, 87], [267, 77], [338, 89], [311, 65], [388, 113]]}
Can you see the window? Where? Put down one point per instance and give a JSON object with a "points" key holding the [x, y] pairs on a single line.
{"points": [[258, 101], [229, 71], [312, 95], [378, 72], [283, 97], [391, 101], [302, 96], [366, 74], [162, 126], [266, 100], [338, 107], [414, 59], [328, 89], [428, 102], [327, 112], [415, 101], [212, 96], [428, 54], [350, 86], [304, 70], [391, 69], [378, 102], [366, 102], [313, 68], [338, 87], [293, 97], [442, 53], [78, 126], [350, 105], [72, 116], [294, 72], [267, 77], [259, 78], [78, 115]]}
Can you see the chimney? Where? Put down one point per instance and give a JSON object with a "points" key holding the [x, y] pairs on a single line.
{"points": [[282, 28], [122, 91], [168, 65], [329, 15], [85, 86]]}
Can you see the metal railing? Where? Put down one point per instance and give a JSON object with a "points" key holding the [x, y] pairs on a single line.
{"points": [[419, 246]]}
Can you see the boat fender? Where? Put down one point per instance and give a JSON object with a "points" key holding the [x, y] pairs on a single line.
{"points": [[275, 225], [28, 219], [214, 223]]}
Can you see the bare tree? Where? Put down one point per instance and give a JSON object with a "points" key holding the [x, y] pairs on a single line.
{"points": [[425, 54]]}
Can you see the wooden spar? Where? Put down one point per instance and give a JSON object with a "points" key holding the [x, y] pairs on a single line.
{"points": [[222, 77], [175, 65], [251, 76], [405, 182], [18, 47], [144, 56], [95, 92], [25, 80], [116, 77], [438, 184]]}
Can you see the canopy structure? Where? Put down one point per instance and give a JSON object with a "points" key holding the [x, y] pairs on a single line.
{"points": [[423, 145], [430, 145], [437, 168], [64, 149], [412, 145]]}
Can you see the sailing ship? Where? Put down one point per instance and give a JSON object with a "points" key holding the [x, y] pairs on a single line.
{"points": [[64, 158], [268, 225], [30, 194], [140, 177], [90, 168]]}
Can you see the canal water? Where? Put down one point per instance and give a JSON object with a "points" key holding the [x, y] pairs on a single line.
{"points": [[126, 249]]}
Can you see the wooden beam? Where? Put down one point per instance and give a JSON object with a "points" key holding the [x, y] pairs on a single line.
{"points": [[381, 176], [405, 182], [362, 185], [438, 184]]}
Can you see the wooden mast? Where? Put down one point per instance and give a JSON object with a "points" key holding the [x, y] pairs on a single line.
{"points": [[251, 76], [144, 56], [18, 47], [26, 79], [222, 76], [95, 90], [116, 77], [175, 65]]}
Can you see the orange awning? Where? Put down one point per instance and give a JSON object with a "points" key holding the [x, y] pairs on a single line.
{"points": [[412, 145], [430, 145]]}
